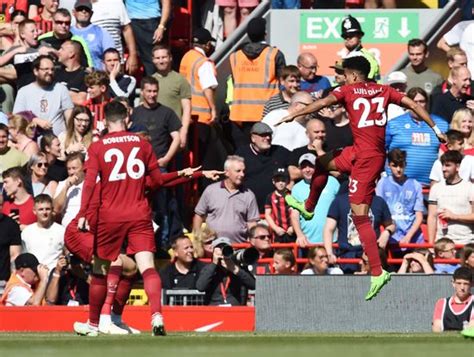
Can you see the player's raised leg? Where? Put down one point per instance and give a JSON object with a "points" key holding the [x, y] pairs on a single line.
{"points": [[324, 164]]}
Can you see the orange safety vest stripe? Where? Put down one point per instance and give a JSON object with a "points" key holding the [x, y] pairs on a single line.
{"points": [[12, 282], [189, 68], [254, 81]]}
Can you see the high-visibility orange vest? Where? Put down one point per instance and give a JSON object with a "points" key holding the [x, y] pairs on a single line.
{"points": [[189, 68], [255, 81], [12, 282]]}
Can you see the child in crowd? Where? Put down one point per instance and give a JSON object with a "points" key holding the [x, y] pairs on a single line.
{"points": [[284, 262], [404, 198], [444, 248], [97, 84], [277, 212]]}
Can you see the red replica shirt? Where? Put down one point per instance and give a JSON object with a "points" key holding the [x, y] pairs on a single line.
{"points": [[366, 104], [122, 160]]}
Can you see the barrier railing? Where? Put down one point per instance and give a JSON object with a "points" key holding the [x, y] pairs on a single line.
{"points": [[295, 248]]}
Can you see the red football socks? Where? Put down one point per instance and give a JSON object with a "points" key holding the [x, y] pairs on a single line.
{"points": [[152, 285], [369, 242], [123, 292], [113, 278], [97, 294], [318, 182]]}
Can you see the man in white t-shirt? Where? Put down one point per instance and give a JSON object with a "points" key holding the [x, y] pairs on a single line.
{"points": [[67, 199], [45, 238], [450, 204], [293, 134], [462, 35], [466, 169], [28, 285]]}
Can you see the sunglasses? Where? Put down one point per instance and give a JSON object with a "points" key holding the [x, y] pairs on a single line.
{"points": [[263, 236], [59, 22], [208, 242], [42, 164]]}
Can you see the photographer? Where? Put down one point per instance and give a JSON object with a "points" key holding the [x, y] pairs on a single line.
{"points": [[223, 280], [68, 283]]}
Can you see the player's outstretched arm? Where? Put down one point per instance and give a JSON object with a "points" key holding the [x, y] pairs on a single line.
{"points": [[313, 107], [423, 114]]}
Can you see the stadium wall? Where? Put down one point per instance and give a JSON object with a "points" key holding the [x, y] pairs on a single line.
{"points": [[336, 303]]}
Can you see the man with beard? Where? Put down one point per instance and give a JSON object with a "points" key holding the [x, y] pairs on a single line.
{"points": [[53, 103]]}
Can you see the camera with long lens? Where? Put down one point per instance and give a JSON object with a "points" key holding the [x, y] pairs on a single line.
{"points": [[248, 256]]}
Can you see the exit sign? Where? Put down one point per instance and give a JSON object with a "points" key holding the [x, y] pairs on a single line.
{"points": [[389, 27]]}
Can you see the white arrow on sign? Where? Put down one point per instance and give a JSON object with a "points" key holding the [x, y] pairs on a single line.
{"points": [[404, 31]]}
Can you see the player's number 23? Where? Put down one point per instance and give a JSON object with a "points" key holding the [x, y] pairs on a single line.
{"points": [[135, 167], [366, 109]]}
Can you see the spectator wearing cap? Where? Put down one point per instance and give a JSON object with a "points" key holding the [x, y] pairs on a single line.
{"points": [[228, 207], [289, 83], [398, 81], [97, 39], [224, 281], [229, 9], [201, 73], [149, 20], [352, 33], [339, 77], [417, 72], [310, 232], [28, 285], [277, 212], [261, 158], [412, 135], [311, 82], [290, 135], [255, 69]]}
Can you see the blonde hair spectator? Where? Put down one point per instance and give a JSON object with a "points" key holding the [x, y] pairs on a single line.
{"points": [[463, 121], [21, 133], [203, 238]]}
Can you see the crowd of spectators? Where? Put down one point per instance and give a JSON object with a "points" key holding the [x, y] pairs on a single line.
{"points": [[60, 67]]}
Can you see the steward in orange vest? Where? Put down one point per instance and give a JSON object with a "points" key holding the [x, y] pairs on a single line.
{"points": [[202, 99], [255, 74]]}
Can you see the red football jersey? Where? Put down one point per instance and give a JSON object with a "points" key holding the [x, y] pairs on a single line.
{"points": [[122, 160], [366, 105]]}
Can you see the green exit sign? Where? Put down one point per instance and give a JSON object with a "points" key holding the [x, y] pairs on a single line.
{"points": [[388, 27]]}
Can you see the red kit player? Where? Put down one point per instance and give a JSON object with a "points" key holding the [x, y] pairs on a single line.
{"points": [[365, 103], [121, 160]]}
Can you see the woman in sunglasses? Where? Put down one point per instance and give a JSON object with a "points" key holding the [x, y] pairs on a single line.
{"points": [[37, 169]]}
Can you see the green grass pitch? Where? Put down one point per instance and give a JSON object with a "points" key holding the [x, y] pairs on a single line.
{"points": [[241, 345]]}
